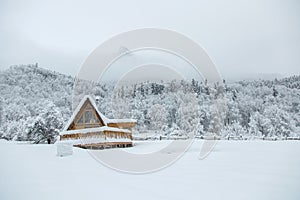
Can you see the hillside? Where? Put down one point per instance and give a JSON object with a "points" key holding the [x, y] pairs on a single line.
{"points": [[28, 92], [35, 102]]}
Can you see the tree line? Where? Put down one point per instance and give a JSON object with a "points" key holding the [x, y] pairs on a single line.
{"points": [[35, 103]]}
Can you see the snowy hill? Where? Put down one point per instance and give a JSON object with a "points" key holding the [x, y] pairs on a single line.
{"points": [[35, 101], [28, 92]]}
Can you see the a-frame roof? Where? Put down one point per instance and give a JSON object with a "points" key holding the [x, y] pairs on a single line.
{"points": [[104, 120], [90, 100]]}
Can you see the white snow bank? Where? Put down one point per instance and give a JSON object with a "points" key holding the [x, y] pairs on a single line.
{"points": [[260, 170], [3, 141]]}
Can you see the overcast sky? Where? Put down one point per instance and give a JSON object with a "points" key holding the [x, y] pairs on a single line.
{"points": [[241, 37]]}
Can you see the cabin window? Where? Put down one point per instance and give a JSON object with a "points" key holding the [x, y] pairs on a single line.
{"points": [[88, 117]]}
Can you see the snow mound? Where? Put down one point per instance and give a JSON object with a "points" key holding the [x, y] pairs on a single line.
{"points": [[64, 149]]}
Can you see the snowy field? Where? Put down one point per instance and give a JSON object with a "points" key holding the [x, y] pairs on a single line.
{"points": [[234, 170]]}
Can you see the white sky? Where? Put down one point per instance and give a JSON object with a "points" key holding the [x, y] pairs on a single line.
{"points": [[242, 37]]}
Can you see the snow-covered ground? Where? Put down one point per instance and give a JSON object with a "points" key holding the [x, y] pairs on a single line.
{"points": [[234, 170]]}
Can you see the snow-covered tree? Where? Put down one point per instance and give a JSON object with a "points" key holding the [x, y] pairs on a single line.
{"points": [[283, 124], [254, 130], [46, 125], [158, 116], [263, 108]]}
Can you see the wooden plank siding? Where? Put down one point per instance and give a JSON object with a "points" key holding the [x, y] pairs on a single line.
{"points": [[104, 134], [105, 145], [123, 125]]}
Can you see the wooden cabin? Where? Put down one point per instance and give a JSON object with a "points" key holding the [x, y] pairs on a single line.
{"points": [[89, 128]]}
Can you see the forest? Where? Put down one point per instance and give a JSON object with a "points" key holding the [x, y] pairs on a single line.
{"points": [[35, 103]]}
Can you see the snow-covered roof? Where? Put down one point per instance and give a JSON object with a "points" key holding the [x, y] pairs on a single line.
{"points": [[121, 121], [102, 116], [91, 130], [76, 111]]}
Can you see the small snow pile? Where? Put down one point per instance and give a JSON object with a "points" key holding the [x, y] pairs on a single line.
{"points": [[64, 149]]}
